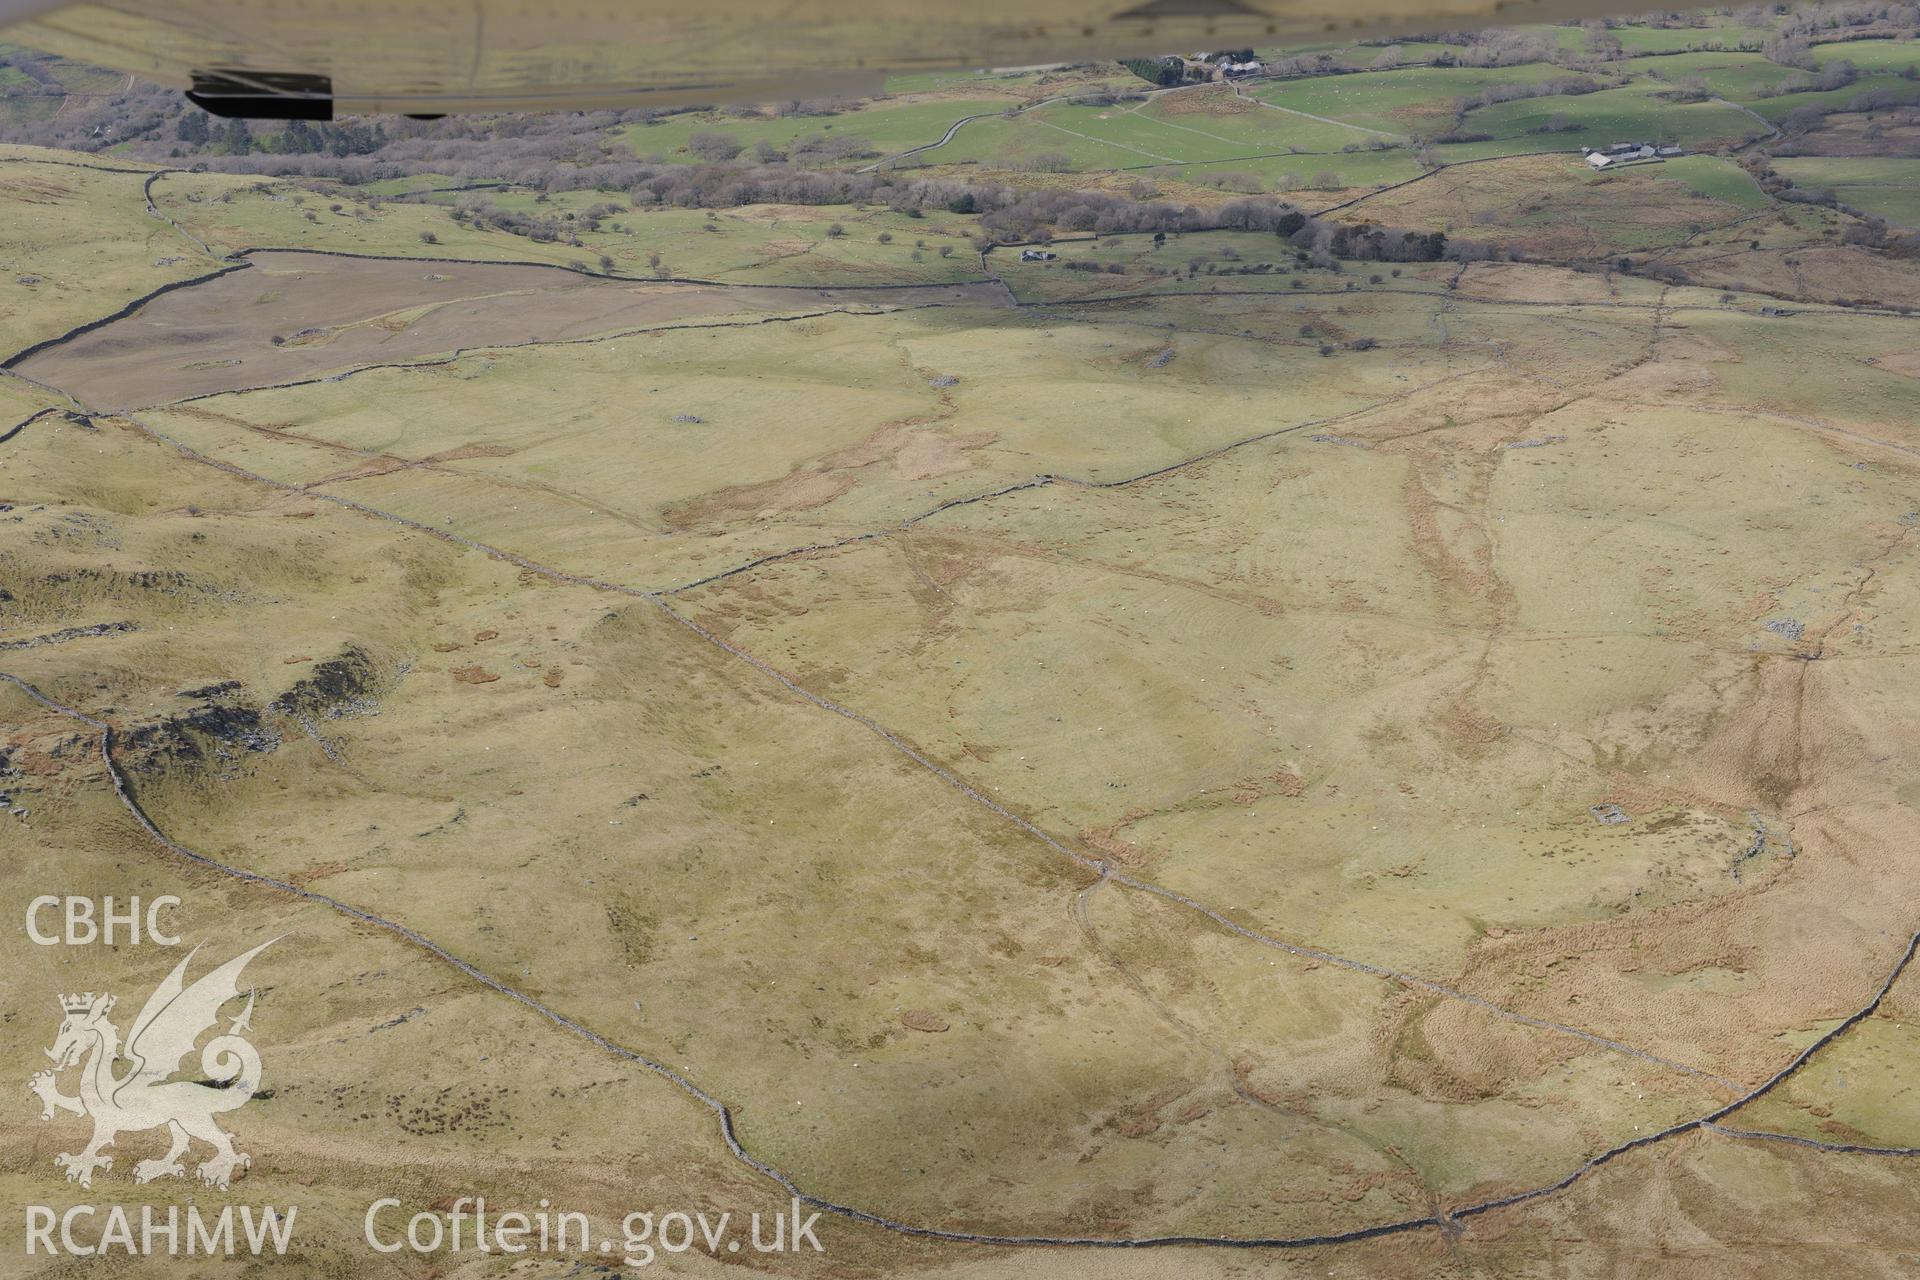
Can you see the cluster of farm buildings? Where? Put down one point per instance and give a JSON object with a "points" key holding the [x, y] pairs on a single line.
{"points": [[1619, 153]]}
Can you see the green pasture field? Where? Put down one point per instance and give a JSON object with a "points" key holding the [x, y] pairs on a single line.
{"points": [[1776, 109], [1888, 187], [1716, 178], [1021, 141], [1871, 55], [1674, 39], [888, 126], [1739, 76], [1253, 130], [1612, 115], [1413, 100]]}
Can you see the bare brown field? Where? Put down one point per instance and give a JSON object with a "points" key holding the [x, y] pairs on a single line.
{"points": [[1857, 133], [289, 317], [1554, 207], [1819, 273]]}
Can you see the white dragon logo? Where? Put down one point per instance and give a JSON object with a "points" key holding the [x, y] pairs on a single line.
{"points": [[164, 1033]]}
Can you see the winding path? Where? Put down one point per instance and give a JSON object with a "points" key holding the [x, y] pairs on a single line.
{"points": [[1772, 129], [945, 138]]}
